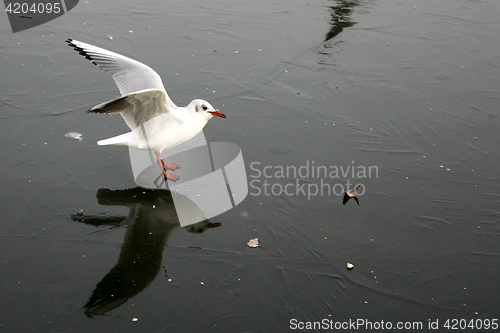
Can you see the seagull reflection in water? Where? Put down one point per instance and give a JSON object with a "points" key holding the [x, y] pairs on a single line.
{"points": [[151, 221]]}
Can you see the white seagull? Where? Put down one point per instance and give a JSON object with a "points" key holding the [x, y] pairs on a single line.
{"points": [[156, 123]]}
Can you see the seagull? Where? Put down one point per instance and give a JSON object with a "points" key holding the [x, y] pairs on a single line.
{"points": [[156, 123]]}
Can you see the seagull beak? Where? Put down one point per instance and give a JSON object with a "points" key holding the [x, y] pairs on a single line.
{"points": [[217, 113]]}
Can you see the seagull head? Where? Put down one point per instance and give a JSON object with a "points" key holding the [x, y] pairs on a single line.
{"points": [[205, 110]]}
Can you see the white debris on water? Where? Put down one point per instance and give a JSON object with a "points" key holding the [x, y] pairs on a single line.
{"points": [[74, 135], [253, 242]]}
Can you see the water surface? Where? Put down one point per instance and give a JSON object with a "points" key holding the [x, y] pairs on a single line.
{"points": [[409, 88]]}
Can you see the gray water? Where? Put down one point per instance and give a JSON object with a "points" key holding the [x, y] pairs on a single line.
{"points": [[409, 89]]}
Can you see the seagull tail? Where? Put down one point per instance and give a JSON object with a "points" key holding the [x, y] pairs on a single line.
{"points": [[120, 140]]}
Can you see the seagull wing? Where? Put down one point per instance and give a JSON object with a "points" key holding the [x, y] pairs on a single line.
{"points": [[136, 108], [130, 75]]}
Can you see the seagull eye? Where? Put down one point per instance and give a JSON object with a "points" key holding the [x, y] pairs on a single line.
{"points": [[204, 107]]}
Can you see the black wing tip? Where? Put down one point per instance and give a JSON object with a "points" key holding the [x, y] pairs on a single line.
{"points": [[96, 111], [80, 50]]}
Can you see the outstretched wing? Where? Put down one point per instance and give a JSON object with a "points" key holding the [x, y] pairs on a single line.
{"points": [[130, 75]]}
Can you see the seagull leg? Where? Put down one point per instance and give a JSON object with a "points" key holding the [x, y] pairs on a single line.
{"points": [[171, 176], [171, 166], [163, 165]]}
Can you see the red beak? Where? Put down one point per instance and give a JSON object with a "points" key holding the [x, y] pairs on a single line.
{"points": [[217, 113]]}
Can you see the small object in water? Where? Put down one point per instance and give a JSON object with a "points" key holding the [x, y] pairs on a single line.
{"points": [[74, 135], [135, 319], [253, 242], [110, 37], [350, 266], [351, 194]]}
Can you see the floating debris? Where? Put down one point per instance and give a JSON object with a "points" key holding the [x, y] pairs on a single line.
{"points": [[350, 266], [253, 242], [74, 135], [351, 194]]}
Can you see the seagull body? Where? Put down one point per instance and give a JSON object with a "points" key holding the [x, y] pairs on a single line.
{"points": [[166, 130], [156, 123]]}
